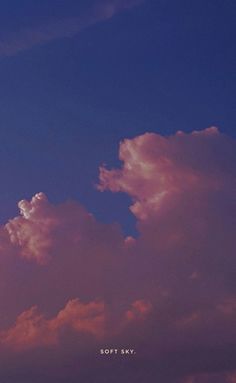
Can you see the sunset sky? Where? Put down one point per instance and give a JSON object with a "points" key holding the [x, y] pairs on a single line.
{"points": [[118, 191]]}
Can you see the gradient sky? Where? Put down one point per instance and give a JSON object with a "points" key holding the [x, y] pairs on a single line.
{"points": [[77, 78], [162, 66]]}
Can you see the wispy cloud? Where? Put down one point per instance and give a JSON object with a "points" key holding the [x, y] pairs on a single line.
{"points": [[27, 38]]}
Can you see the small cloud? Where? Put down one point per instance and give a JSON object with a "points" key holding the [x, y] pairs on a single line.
{"points": [[32, 231]]}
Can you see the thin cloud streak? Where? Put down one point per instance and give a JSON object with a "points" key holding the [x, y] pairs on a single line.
{"points": [[27, 38]]}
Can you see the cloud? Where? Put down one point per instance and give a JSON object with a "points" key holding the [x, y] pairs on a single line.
{"points": [[27, 38], [32, 231], [80, 285], [157, 169], [32, 329], [139, 309]]}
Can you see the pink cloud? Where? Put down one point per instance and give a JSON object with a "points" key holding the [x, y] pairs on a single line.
{"points": [[139, 310], [32, 329], [169, 292], [32, 231], [156, 168]]}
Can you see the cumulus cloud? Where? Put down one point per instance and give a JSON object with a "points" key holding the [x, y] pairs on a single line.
{"points": [[32, 329], [169, 293], [157, 169], [32, 231], [26, 38]]}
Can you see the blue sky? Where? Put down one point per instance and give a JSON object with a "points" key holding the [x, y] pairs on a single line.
{"points": [[65, 104]]}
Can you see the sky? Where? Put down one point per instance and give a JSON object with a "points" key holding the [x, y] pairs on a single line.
{"points": [[117, 200]]}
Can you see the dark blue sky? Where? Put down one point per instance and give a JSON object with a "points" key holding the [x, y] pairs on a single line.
{"points": [[162, 66]]}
